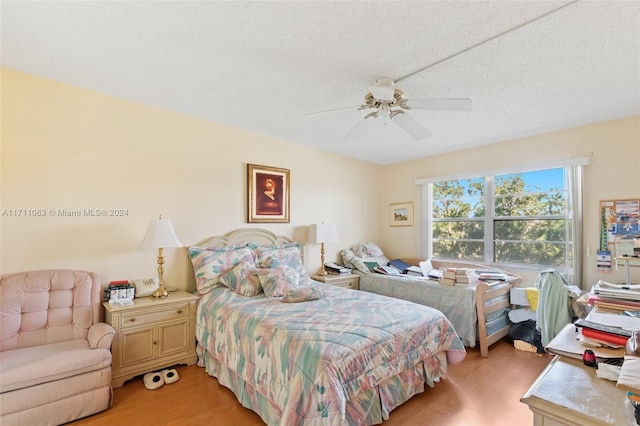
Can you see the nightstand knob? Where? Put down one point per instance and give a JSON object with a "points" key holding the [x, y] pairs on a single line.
{"points": [[179, 311], [132, 320]]}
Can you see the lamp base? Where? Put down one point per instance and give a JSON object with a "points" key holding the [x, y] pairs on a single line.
{"points": [[160, 292]]}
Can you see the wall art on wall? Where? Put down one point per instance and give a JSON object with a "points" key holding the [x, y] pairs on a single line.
{"points": [[401, 214], [267, 194], [620, 231]]}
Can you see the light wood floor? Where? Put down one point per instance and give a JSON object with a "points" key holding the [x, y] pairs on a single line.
{"points": [[477, 392]]}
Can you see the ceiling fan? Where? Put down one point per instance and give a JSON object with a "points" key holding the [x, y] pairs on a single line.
{"points": [[387, 101]]}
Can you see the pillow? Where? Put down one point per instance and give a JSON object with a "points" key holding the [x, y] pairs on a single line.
{"points": [[354, 262], [283, 255], [367, 250], [210, 263], [243, 279], [145, 287], [302, 294], [276, 281]]}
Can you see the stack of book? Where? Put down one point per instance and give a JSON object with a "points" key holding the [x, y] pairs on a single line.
{"points": [[616, 310], [334, 268], [598, 334], [448, 277], [491, 276], [460, 277]]}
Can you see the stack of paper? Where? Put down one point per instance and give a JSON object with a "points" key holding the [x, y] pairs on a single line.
{"points": [[617, 291]]}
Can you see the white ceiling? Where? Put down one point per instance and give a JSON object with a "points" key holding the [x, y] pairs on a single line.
{"points": [[264, 65]]}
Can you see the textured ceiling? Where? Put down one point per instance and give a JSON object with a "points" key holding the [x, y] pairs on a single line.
{"points": [[264, 66]]}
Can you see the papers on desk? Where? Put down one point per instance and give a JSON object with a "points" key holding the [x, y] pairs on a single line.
{"points": [[568, 343], [629, 378], [617, 291]]}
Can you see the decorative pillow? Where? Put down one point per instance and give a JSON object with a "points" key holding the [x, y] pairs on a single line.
{"points": [[243, 279], [283, 255], [351, 260], [302, 294], [354, 262], [145, 287], [367, 250], [210, 263], [276, 281]]}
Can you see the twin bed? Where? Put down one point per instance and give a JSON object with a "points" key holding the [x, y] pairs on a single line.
{"points": [[336, 356], [478, 313]]}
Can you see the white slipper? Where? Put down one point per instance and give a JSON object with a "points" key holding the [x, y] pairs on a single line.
{"points": [[170, 376], [153, 381]]}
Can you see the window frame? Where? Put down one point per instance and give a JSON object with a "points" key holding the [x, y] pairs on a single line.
{"points": [[573, 175]]}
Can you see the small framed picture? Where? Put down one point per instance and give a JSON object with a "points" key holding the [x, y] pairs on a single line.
{"points": [[401, 214], [267, 194]]}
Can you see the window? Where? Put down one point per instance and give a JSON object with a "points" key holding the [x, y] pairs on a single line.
{"points": [[524, 219]]}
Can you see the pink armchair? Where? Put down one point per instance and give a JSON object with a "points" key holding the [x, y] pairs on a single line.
{"points": [[55, 359]]}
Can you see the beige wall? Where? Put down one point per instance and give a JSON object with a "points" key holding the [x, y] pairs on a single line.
{"points": [[68, 148], [613, 148], [63, 147]]}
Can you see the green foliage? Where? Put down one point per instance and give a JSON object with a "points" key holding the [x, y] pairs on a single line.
{"points": [[530, 225]]}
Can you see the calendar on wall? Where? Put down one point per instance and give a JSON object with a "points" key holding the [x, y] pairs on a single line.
{"points": [[619, 233]]}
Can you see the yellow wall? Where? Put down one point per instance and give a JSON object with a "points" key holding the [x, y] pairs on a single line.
{"points": [[68, 148], [613, 148], [63, 147]]}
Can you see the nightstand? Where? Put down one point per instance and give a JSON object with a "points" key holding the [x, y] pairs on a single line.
{"points": [[347, 280], [151, 334]]}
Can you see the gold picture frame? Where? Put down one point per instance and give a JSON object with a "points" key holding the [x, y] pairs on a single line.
{"points": [[267, 194], [401, 214]]}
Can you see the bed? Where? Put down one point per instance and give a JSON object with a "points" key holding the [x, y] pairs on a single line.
{"points": [[345, 357], [479, 313]]}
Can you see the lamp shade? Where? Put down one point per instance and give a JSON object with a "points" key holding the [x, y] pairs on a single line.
{"points": [[323, 233], [160, 234]]}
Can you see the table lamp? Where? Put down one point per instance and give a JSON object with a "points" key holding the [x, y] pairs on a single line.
{"points": [[322, 233], [160, 234]]}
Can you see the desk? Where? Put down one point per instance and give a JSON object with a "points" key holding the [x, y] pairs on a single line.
{"points": [[569, 393]]}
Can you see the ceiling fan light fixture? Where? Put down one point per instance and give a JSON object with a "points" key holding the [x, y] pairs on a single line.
{"points": [[383, 90]]}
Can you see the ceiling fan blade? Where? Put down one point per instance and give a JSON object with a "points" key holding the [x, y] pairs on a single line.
{"points": [[332, 110], [411, 126], [356, 131], [444, 104]]}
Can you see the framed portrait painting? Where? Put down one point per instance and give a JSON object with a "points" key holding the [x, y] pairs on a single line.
{"points": [[401, 214], [267, 194]]}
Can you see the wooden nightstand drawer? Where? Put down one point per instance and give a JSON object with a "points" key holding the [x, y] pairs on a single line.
{"points": [[163, 313]]}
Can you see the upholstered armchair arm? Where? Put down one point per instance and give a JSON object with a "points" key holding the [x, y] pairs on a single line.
{"points": [[100, 335]]}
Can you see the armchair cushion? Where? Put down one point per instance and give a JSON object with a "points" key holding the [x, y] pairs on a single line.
{"points": [[30, 366]]}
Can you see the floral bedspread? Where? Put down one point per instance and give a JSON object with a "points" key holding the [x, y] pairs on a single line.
{"points": [[311, 359]]}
